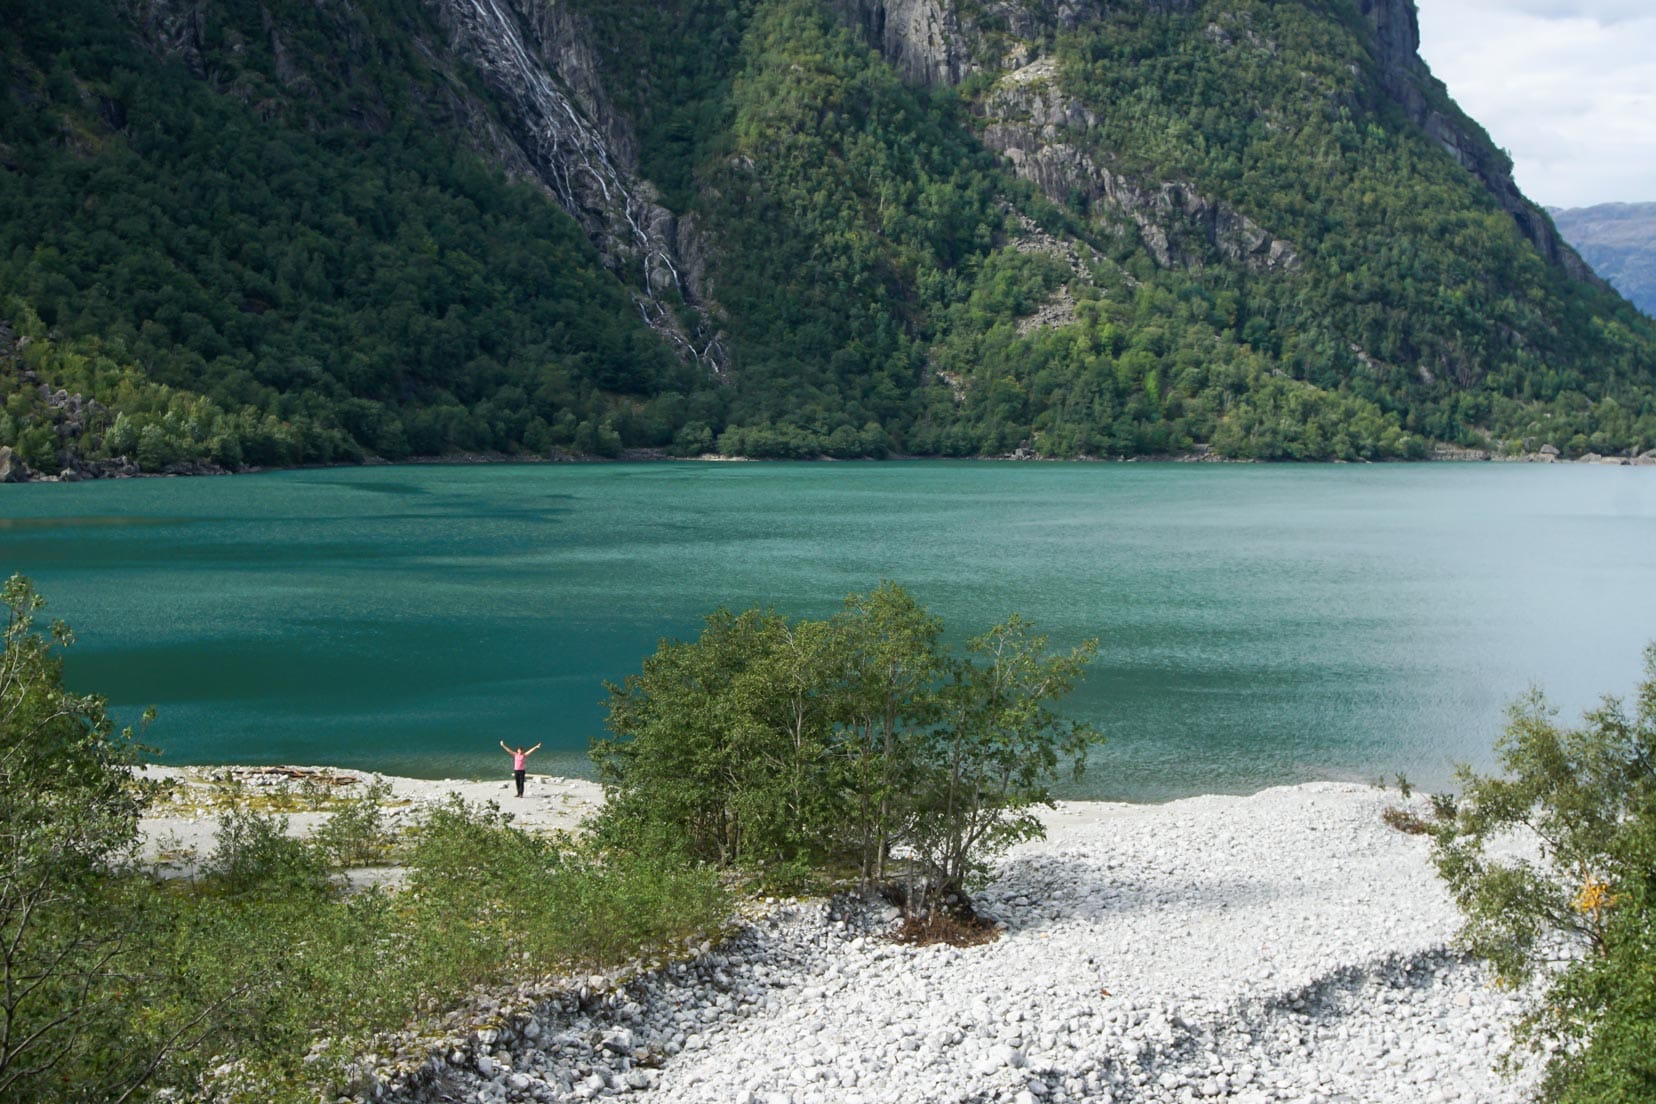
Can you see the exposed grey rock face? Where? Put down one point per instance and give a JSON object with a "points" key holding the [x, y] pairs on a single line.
{"points": [[923, 39], [1396, 26], [1406, 79], [1174, 205], [1059, 310], [933, 42], [936, 42], [538, 59], [12, 469], [173, 27], [1040, 130], [557, 128], [572, 156]]}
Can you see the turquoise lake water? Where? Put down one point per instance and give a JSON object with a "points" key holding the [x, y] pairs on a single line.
{"points": [[1258, 625]]}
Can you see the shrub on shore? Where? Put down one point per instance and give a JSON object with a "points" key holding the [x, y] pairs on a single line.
{"points": [[1586, 798], [68, 822], [284, 961], [797, 748]]}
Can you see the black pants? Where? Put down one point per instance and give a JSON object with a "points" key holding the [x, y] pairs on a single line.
{"points": [[519, 776]]}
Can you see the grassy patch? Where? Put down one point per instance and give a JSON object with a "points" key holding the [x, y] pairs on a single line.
{"points": [[263, 790], [1406, 820], [299, 979]]}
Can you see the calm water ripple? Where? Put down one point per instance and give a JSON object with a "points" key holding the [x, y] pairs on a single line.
{"points": [[1258, 625]]}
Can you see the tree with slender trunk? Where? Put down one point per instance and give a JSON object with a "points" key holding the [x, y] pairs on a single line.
{"points": [[68, 820]]}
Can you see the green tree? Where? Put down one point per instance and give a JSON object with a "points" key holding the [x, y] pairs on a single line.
{"points": [[793, 746], [893, 661], [37, 447], [991, 760], [122, 438], [680, 731], [68, 819], [1584, 799]]}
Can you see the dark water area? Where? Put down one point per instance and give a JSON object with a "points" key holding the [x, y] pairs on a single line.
{"points": [[1258, 625]]}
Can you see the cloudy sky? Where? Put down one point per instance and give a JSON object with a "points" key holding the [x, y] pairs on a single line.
{"points": [[1568, 87]]}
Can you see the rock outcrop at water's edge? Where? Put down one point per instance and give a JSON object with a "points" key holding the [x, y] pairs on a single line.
{"points": [[12, 469], [1149, 954]]}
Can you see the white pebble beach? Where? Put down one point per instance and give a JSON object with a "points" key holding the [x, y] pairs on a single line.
{"points": [[1286, 946]]}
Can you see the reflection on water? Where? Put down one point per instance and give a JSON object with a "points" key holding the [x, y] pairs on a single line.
{"points": [[26, 524]]}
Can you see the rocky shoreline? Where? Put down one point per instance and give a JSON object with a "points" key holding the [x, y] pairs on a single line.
{"points": [[13, 470], [72, 410], [1284, 947]]}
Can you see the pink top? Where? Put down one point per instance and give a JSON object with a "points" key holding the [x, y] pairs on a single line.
{"points": [[518, 758]]}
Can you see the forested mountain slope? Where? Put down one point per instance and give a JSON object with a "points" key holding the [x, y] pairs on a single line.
{"points": [[237, 232], [1619, 241]]}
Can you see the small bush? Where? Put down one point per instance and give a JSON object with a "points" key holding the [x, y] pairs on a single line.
{"points": [[1585, 798], [355, 834], [253, 852], [798, 749], [282, 961], [1406, 821], [493, 900]]}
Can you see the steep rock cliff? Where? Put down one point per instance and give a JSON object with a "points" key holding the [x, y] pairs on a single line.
{"points": [[1407, 80], [551, 122], [936, 42], [537, 59], [1041, 131], [941, 42], [922, 39]]}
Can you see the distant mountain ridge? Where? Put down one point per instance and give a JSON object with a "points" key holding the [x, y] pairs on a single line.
{"points": [[1619, 241], [239, 234]]}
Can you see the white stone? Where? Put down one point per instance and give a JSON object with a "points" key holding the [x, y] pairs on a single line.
{"points": [[1006, 1055], [1094, 983]]}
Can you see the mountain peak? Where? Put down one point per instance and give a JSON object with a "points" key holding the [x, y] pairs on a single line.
{"points": [[286, 233]]}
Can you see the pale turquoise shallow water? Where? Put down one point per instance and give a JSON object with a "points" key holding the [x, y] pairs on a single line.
{"points": [[1258, 625]]}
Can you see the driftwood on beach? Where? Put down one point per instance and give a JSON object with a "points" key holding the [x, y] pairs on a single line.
{"points": [[266, 776]]}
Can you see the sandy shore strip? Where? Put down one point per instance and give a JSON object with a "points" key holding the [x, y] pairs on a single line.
{"points": [[179, 832]]}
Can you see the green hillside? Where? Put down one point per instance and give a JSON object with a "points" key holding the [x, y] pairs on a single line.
{"points": [[289, 272], [284, 233]]}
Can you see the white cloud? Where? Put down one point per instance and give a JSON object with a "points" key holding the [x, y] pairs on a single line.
{"points": [[1601, 11], [1568, 88]]}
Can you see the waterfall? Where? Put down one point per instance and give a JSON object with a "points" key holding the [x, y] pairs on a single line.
{"points": [[573, 160]]}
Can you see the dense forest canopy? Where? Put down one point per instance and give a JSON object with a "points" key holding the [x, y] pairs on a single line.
{"points": [[242, 234]]}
